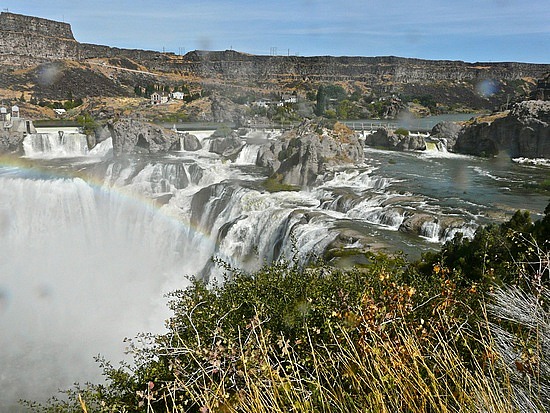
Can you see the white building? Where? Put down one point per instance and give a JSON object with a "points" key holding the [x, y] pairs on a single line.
{"points": [[262, 103], [288, 98], [157, 98], [177, 95]]}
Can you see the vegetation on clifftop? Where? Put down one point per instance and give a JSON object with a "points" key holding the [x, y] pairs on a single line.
{"points": [[465, 329]]}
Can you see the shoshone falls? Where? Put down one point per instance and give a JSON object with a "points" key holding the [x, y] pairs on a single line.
{"points": [[90, 242]]}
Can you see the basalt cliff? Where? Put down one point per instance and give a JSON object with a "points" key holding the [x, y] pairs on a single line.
{"points": [[41, 58], [523, 132]]}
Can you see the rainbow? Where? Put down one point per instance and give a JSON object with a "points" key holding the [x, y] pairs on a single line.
{"points": [[12, 166]]}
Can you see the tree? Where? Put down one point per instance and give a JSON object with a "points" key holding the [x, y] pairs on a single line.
{"points": [[321, 99]]}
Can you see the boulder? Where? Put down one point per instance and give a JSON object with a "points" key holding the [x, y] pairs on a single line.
{"points": [[190, 142], [384, 138], [446, 133], [11, 142], [132, 136], [303, 154], [228, 146], [522, 132], [413, 223]]}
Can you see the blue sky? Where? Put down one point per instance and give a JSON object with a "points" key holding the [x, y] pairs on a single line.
{"points": [[469, 30]]}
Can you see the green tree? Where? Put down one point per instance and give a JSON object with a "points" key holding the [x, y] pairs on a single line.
{"points": [[321, 100]]}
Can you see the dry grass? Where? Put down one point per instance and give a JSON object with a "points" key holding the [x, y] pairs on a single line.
{"points": [[379, 375]]}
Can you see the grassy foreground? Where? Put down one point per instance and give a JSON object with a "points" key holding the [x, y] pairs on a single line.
{"points": [[464, 330]]}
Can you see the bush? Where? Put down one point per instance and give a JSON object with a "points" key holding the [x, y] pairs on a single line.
{"points": [[402, 131]]}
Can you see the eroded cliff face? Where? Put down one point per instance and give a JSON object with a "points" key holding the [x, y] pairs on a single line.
{"points": [[133, 136], [302, 155], [523, 132], [26, 40]]}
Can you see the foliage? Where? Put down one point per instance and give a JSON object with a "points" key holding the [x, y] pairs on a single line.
{"points": [[328, 96], [223, 131], [425, 100], [275, 184], [521, 331], [495, 252], [402, 131], [87, 122]]}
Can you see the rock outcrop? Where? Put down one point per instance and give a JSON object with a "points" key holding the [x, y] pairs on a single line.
{"points": [[190, 142], [132, 136], [12, 134], [10, 142], [523, 132], [384, 138], [224, 109], [228, 146], [446, 133], [303, 154]]}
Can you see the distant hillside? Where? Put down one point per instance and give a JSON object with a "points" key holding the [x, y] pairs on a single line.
{"points": [[30, 45]]}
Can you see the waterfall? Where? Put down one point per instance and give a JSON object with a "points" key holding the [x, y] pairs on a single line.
{"points": [[467, 230], [358, 180], [55, 145], [82, 268], [253, 227], [430, 230], [248, 155], [431, 147], [103, 149]]}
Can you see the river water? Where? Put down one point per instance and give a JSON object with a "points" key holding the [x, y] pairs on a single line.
{"points": [[90, 243]]}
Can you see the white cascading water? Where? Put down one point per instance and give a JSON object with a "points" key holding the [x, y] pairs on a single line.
{"points": [[467, 230], [358, 180], [82, 268], [248, 155], [255, 227], [103, 149], [55, 145], [430, 230]]}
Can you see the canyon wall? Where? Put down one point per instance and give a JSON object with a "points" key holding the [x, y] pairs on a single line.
{"points": [[26, 40]]}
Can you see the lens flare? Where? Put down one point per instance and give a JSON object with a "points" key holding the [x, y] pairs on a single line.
{"points": [[487, 88]]}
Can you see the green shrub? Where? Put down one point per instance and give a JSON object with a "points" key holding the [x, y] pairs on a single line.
{"points": [[402, 131]]}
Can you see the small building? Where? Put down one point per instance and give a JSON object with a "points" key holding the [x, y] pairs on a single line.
{"points": [[15, 112], [177, 95], [262, 103], [3, 113], [60, 112], [289, 98], [158, 98]]}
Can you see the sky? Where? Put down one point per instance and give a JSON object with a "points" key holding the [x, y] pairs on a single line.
{"points": [[468, 30]]}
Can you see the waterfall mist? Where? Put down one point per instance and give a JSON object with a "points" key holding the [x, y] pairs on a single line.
{"points": [[81, 269]]}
